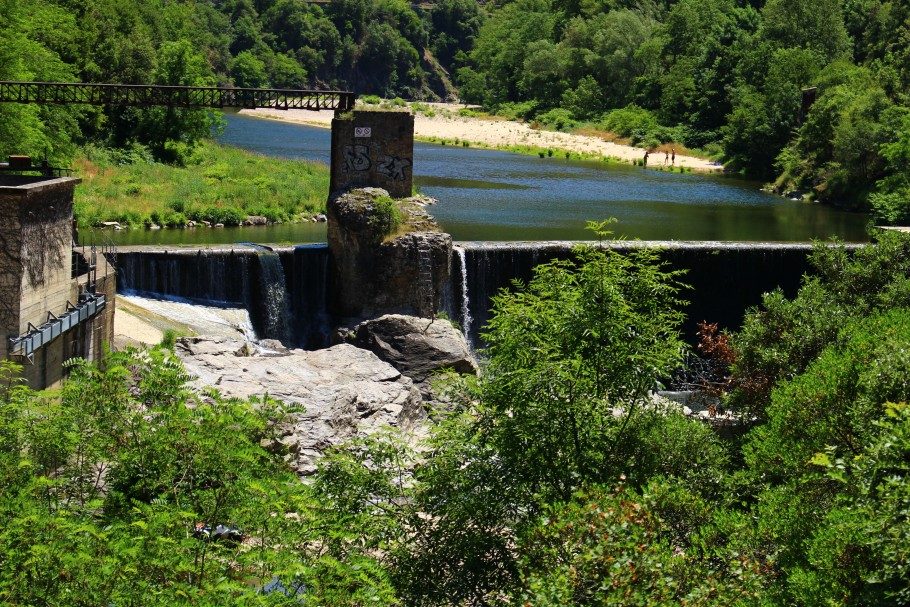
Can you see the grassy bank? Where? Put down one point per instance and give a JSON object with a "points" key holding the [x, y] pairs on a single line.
{"points": [[220, 184]]}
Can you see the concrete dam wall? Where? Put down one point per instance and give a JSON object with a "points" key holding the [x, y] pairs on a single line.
{"points": [[726, 279], [240, 276]]}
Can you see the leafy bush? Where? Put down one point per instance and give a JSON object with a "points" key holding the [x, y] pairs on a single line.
{"points": [[782, 337], [557, 118], [891, 208], [629, 121], [836, 400], [106, 483], [612, 548], [828, 466], [385, 216], [523, 110], [580, 340]]}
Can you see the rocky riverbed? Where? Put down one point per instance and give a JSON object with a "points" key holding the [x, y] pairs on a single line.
{"points": [[345, 391]]}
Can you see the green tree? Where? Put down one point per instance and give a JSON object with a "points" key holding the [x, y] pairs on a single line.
{"points": [[817, 25], [454, 27], [109, 480], [38, 131], [248, 71], [502, 45], [762, 120], [171, 133], [891, 200]]}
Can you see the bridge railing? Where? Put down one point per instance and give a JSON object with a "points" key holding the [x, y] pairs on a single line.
{"points": [[174, 96]]}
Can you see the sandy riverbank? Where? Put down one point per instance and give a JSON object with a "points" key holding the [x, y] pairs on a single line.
{"points": [[448, 125]]}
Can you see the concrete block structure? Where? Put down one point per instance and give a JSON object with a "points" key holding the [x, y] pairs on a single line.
{"points": [[56, 300], [373, 148]]}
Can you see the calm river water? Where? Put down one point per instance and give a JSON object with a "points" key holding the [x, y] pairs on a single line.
{"points": [[489, 195]]}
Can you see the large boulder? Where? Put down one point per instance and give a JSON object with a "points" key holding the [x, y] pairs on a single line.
{"points": [[346, 391], [374, 272], [416, 346]]}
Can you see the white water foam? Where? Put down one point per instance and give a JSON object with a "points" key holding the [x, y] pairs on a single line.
{"points": [[466, 319], [204, 320]]}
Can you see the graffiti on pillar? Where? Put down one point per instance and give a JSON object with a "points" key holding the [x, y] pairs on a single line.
{"points": [[393, 167], [356, 158]]}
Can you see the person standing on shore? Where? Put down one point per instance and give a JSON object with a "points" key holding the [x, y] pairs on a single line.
{"points": [[646, 157], [666, 158], [673, 163]]}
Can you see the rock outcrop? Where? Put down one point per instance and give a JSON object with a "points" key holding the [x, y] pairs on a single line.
{"points": [[345, 390], [375, 273], [415, 346]]}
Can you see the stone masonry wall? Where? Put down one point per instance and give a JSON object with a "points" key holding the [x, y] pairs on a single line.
{"points": [[36, 275], [373, 148], [10, 269], [45, 220]]}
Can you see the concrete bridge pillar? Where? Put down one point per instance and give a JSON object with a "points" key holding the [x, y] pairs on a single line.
{"points": [[373, 148]]}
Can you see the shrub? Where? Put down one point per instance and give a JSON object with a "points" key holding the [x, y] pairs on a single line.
{"points": [[385, 217], [836, 400], [891, 208], [171, 459], [782, 337], [229, 216], [519, 110], [557, 118], [630, 120], [579, 341], [612, 548]]}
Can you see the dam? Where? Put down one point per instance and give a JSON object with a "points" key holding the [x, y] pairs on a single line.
{"points": [[724, 279]]}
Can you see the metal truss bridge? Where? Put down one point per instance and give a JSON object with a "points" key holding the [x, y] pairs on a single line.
{"points": [[141, 95]]}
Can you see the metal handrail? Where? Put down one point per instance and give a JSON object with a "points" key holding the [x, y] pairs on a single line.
{"points": [[147, 95]]}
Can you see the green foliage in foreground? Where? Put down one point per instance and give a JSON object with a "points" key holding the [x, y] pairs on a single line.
{"points": [[534, 493], [782, 337], [220, 184], [553, 479], [104, 484]]}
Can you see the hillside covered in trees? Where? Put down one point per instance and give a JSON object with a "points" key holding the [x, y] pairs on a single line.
{"points": [[373, 46], [724, 76]]}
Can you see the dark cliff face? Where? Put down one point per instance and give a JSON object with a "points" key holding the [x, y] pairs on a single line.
{"points": [[373, 273]]}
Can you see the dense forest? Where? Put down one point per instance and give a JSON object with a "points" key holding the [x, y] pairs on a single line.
{"points": [[373, 46], [722, 76], [554, 479]]}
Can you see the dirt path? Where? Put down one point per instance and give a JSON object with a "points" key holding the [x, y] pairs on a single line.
{"points": [[448, 125]]}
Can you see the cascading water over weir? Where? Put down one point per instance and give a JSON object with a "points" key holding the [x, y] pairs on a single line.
{"points": [[273, 294], [725, 278], [465, 308], [263, 282]]}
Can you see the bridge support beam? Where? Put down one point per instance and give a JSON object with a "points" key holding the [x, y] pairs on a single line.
{"points": [[373, 148]]}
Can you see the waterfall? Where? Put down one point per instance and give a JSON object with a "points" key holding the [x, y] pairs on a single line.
{"points": [[308, 287], [216, 278], [285, 291], [725, 278], [465, 295], [273, 302]]}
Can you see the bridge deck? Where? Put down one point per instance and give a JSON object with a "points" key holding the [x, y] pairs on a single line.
{"points": [[173, 96]]}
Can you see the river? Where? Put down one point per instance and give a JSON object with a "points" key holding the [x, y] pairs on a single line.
{"points": [[500, 196]]}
